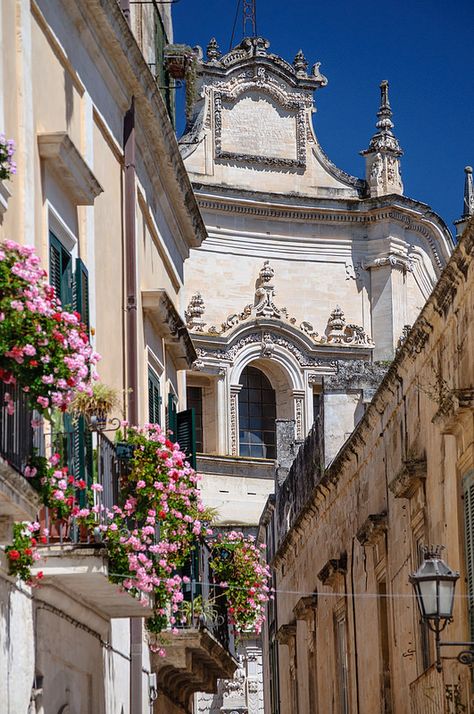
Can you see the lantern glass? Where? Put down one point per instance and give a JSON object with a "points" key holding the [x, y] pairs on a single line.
{"points": [[427, 598], [446, 598]]}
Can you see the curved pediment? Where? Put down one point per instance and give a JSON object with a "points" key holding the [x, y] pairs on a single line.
{"points": [[255, 110], [266, 323]]}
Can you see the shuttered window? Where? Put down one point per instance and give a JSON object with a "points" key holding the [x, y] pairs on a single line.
{"points": [[81, 292], [60, 271], [186, 434], [194, 401], [154, 398], [468, 490]]}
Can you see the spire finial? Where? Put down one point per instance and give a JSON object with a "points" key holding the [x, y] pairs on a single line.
{"points": [[382, 156], [468, 204]]}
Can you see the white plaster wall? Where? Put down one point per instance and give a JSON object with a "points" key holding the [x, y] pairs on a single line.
{"points": [[17, 654], [240, 501]]}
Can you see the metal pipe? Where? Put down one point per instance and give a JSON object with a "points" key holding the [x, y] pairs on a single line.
{"points": [[136, 634]]}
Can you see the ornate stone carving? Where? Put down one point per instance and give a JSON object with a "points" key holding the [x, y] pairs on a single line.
{"points": [[352, 270], [382, 156], [234, 419], [394, 260], [213, 52], [338, 333], [403, 336], [299, 414], [372, 529], [332, 570], [194, 313], [409, 479], [300, 63]]}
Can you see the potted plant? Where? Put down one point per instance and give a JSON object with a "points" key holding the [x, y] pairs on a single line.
{"points": [[193, 613], [95, 405], [181, 64]]}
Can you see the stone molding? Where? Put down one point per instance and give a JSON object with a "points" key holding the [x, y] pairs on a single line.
{"points": [[333, 570], [286, 634], [457, 403], [306, 607], [158, 304], [365, 214], [372, 529], [409, 479], [66, 162]]}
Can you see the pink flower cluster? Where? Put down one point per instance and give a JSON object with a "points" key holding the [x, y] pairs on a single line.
{"points": [[7, 165], [43, 347], [243, 578]]}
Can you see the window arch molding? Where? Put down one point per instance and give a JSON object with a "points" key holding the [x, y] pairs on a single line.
{"points": [[281, 366]]}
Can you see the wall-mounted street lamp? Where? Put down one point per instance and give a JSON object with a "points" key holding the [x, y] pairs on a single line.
{"points": [[434, 583]]}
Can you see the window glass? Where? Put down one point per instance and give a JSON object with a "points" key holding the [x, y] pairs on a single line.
{"points": [[257, 414]]}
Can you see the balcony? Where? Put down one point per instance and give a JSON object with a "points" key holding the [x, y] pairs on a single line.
{"points": [[18, 500], [203, 650], [81, 571]]}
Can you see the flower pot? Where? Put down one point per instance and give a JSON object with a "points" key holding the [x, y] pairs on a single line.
{"points": [[59, 530]]}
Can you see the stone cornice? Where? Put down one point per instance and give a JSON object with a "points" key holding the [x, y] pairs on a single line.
{"points": [[372, 529], [333, 570], [65, 160], [409, 479], [159, 306], [442, 298], [106, 21]]}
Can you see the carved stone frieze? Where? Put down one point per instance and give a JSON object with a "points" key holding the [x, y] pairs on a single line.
{"points": [[409, 479], [455, 404], [372, 529]]}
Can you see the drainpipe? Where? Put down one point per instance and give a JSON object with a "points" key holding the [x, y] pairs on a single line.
{"points": [[136, 624]]}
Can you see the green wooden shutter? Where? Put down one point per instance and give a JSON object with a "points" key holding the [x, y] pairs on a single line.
{"points": [[186, 434], [154, 399], [55, 264], [60, 271], [468, 489], [81, 292]]}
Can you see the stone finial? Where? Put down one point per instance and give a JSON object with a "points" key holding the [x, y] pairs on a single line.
{"points": [[194, 313], [266, 273], [336, 325], [468, 204], [300, 63], [212, 51], [383, 154]]}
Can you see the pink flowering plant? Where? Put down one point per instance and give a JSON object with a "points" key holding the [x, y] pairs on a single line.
{"points": [[243, 577], [7, 165], [58, 488], [22, 552], [151, 535], [43, 347]]}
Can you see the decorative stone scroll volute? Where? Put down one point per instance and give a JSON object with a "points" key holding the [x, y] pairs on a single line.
{"points": [[194, 313], [383, 154]]}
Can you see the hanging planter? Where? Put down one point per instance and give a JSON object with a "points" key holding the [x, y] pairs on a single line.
{"points": [[95, 405], [181, 64]]}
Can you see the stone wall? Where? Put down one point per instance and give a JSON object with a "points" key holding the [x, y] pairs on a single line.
{"points": [[346, 613]]}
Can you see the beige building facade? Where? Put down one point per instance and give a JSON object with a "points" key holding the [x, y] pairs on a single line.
{"points": [[102, 194], [298, 297], [344, 632]]}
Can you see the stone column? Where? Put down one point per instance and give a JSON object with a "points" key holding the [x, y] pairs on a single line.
{"points": [[234, 418], [298, 411], [222, 423], [388, 303]]}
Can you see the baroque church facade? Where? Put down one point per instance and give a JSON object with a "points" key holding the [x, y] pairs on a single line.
{"points": [[302, 292]]}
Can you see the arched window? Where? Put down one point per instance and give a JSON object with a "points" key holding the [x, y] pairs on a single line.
{"points": [[257, 414]]}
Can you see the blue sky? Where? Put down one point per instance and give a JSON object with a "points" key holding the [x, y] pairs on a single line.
{"points": [[424, 49]]}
